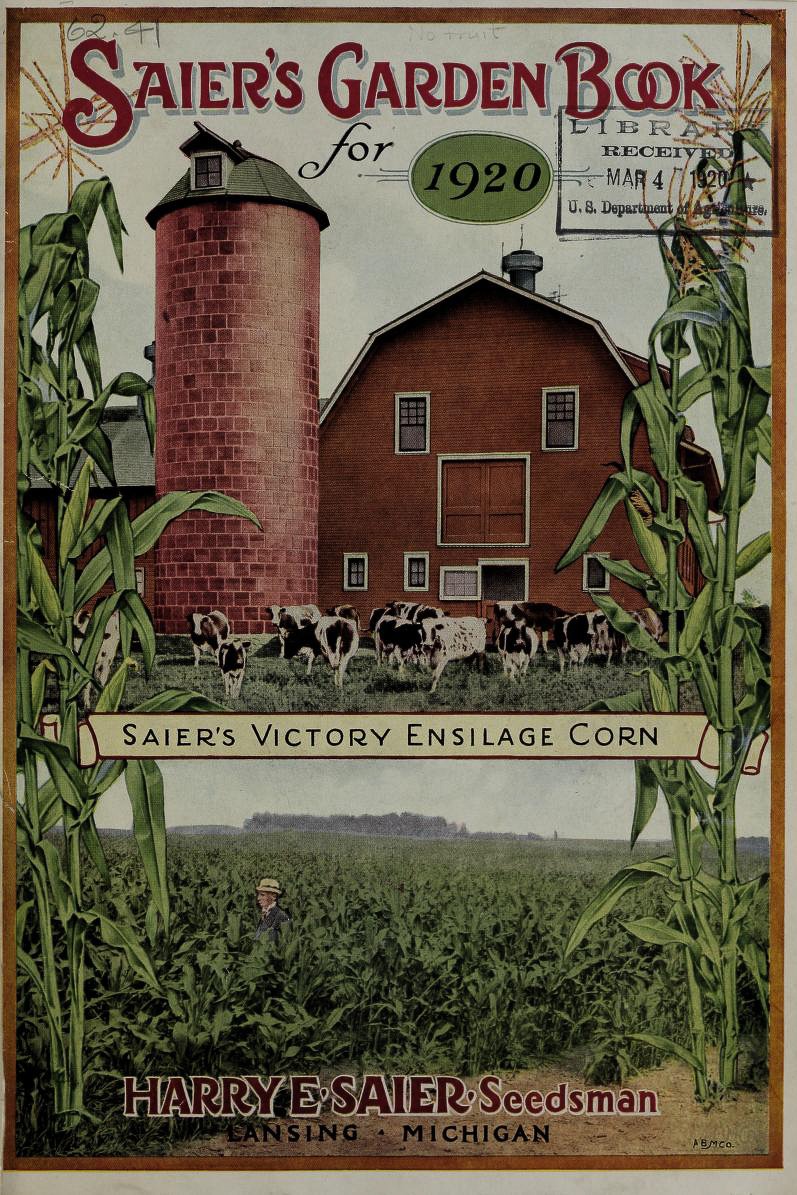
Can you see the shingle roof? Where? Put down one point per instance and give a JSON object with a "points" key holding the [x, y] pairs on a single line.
{"points": [[133, 462], [249, 177]]}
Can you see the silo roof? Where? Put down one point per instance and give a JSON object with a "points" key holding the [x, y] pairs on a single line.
{"points": [[249, 176]]}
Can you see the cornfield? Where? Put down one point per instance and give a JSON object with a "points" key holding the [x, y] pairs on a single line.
{"points": [[402, 957]]}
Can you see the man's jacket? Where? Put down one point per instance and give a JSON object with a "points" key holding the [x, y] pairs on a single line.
{"points": [[270, 924]]}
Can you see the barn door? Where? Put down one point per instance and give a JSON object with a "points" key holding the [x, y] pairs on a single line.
{"points": [[483, 501]]}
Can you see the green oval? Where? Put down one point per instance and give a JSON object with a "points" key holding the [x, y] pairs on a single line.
{"points": [[481, 178]]}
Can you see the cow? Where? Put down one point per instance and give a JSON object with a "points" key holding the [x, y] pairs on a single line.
{"points": [[105, 656], [650, 621], [288, 618], [334, 638], [447, 639], [517, 645], [232, 662], [207, 633], [339, 640], [579, 634], [399, 639], [415, 611], [540, 616], [349, 612]]}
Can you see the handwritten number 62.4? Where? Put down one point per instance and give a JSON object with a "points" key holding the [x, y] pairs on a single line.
{"points": [[467, 177]]}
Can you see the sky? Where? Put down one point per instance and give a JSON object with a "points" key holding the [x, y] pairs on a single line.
{"points": [[382, 255]]}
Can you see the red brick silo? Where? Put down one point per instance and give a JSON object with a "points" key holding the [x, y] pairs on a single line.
{"points": [[236, 343]]}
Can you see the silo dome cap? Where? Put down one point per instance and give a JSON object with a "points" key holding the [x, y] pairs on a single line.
{"points": [[250, 176]]}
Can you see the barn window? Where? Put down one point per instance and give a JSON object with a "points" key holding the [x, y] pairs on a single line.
{"points": [[416, 570], [483, 500], [140, 587], [596, 577], [412, 423], [560, 419], [459, 584], [355, 570], [208, 171]]}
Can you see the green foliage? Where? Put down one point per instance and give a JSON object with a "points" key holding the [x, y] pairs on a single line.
{"points": [[709, 632], [61, 404]]}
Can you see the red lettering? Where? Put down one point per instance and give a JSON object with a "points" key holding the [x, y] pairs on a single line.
{"points": [[156, 84], [186, 84], [522, 77], [327, 79], [493, 88], [571, 56], [698, 85], [425, 87], [373, 1095], [451, 1092], [460, 85], [253, 88], [421, 1095], [382, 86], [210, 87], [119, 101], [287, 75], [649, 85], [342, 1091], [619, 82]]}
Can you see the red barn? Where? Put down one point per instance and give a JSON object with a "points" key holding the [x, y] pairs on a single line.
{"points": [[462, 450]]}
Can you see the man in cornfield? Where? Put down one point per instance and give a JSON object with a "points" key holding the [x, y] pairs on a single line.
{"points": [[272, 917]]}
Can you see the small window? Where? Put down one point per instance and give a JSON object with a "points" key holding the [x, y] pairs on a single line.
{"points": [[355, 570], [596, 578], [416, 570], [140, 582], [559, 419], [208, 171], [459, 583], [412, 423]]}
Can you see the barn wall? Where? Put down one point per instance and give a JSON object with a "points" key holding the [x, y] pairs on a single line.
{"points": [[485, 357], [237, 401]]}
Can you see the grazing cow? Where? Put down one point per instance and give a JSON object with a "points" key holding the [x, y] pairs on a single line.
{"points": [[232, 662], [454, 639], [339, 640], [540, 616], [302, 641], [399, 639], [350, 612], [288, 618], [105, 656], [578, 635], [517, 644], [207, 633]]}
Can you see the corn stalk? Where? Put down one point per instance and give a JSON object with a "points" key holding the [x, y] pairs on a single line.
{"points": [[709, 633], [61, 402]]}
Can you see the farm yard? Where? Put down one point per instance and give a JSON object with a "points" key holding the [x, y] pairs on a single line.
{"points": [[277, 685], [403, 956]]}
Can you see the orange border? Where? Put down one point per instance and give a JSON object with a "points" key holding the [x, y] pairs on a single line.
{"points": [[775, 19]]}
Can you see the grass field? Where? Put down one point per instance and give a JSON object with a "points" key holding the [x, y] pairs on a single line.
{"points": [[276, 685], [403, 956]]}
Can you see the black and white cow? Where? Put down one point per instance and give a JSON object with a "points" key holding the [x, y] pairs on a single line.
{"points": [[415, 611], [207, 633], [109, 646], [288, 618], [350, 612], [578, 635], [400, 640], [540, 616], [448, 639], [517, 645], [334, 638], [232, 662]]}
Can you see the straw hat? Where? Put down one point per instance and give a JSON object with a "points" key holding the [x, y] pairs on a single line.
{"points": [[269, 886]]}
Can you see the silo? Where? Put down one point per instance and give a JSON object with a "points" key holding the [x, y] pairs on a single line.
{"points": [[236, 342]]}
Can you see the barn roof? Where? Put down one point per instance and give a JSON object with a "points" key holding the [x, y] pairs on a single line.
{"points": [[250, 176], [628, 362], [133, 460]]}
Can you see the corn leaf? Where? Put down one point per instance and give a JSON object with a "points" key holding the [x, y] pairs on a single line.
{"points": [[122, 938], [696, 621], [657, 933], [145, 788], [753, 553], [764, 433], [75, 512], [148, 527], [759, 142], [91, 195], [34, 637], [619, 885], [622, 621], [670, 1047], [93, 526], [91, 841], [613, 492], [646, 796]]}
